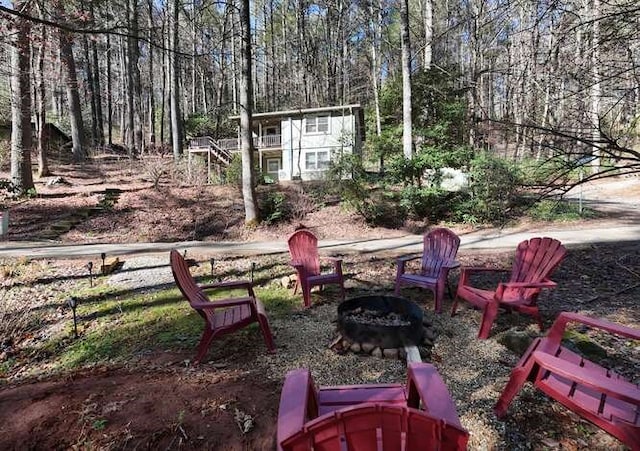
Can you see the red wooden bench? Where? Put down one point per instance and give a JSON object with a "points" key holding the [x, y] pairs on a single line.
{"points": [[220, 316], [584, 387], [420, 416]]}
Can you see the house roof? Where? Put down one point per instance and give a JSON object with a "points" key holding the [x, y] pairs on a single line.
{"points": [[300, 111]]}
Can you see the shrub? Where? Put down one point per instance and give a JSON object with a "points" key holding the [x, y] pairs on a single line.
{"points": [[562, 210], [493, 187], [382, 209], [274, 207], [233, 172], [430, 203]]}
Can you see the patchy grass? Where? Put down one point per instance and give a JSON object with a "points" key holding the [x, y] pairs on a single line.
{"points": [[560, 211], [114, 327]]}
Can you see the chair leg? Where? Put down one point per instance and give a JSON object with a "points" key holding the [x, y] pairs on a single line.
{"points": [[306, 294], [438, 294], [203, 346], [454, 306], [489, 314], [513, 387], [449, 290], [396, 291], [266, 333], [342, 292]]}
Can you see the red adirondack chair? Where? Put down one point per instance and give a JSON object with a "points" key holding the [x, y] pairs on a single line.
{"points": [[440, 247], [220, 316], [593, 392], [303, 248], [534, 262], [390, 417]]}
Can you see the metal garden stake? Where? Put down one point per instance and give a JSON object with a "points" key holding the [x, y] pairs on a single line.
{"points": [[73, 303], [90, 268]]}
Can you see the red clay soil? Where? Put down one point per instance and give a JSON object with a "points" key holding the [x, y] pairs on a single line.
{"points": [[163, 408]]}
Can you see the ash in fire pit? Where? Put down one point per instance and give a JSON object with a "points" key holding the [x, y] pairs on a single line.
{"points": [[376, 317], [382, 325]]}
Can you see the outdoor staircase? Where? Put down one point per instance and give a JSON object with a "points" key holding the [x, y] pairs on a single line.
{"points": [[208, 144], [107, 201]]}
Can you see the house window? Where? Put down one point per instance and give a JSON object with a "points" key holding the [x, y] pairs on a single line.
{"points": [[316, 124], [316, 160], [273, 165]]}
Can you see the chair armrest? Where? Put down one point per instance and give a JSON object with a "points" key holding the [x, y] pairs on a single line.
{"points": [[407, 258], [451, 264], [424, 385], [231, 284], [222, 303], [624, 391], [472, 269], [337, 263], [467, 271], [543, 284], [559, 325], [298, 404]]}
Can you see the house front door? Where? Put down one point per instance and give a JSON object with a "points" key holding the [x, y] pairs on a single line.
{"points": [[273, 166]]}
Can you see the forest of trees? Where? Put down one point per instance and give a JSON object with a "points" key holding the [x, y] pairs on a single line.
{"points": [[535, 78]]}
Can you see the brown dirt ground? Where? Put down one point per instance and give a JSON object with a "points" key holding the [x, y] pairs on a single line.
{"points": [[160, 403]]}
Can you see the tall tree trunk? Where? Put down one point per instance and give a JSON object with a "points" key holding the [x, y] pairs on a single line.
{"points": [[251, 213], [596, 89], [428, 33], [97, 86], [407, 130], [109, 95], [41, 113], [152, 96], [21, 137], [176, 117], [92, 94], [73, 97]]}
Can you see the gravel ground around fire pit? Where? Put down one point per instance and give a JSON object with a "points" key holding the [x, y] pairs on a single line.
{"points": [[475, 371]]}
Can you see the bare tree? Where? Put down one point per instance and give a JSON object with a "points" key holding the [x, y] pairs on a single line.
{"points": [[41, 110], [21, 176], [176, 116], [73, 97], [407, 129], [251, 212]]}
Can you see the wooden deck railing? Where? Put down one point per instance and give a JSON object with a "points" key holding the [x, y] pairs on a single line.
{"points": [[263, 142]]}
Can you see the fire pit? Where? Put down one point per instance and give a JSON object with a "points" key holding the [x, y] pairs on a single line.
{"points": [[377, 321]]}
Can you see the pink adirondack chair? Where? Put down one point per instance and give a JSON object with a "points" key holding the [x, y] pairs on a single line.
{"points": [[222, 316], [303, 249], [534, 262], [390, 417], [584, 387], [440, 247]]}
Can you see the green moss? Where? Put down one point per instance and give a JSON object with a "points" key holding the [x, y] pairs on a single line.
{"points": [[582, 344]]}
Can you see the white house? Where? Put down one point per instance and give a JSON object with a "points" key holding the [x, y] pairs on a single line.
{"points": [[301, 143]]}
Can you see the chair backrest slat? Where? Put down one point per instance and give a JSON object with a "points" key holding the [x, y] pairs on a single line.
{"points": [[303, 247], [440, 246], [185, 281], [370, 426], [536, 259]]}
